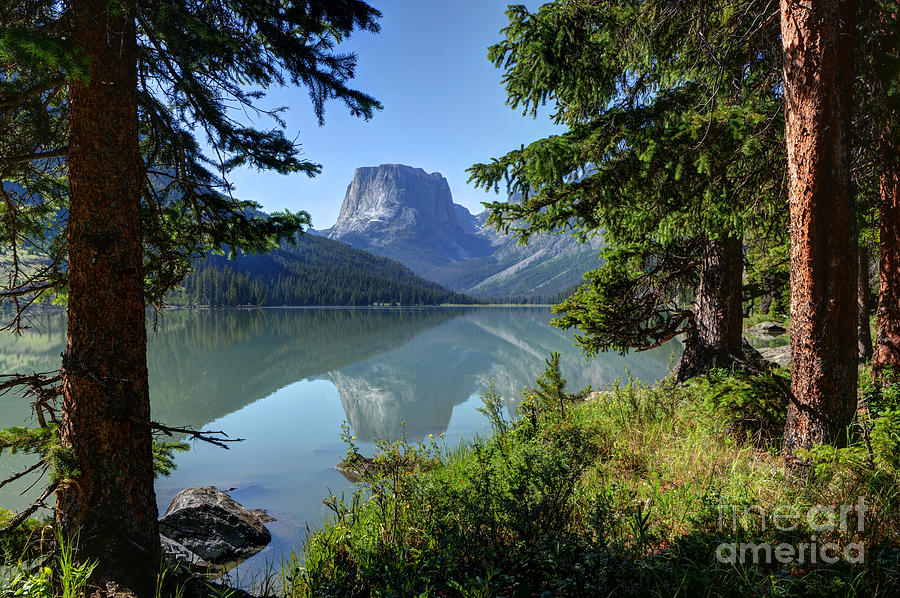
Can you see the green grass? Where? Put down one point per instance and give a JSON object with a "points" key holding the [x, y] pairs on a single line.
{"points": [[631, 492], [60, 577]]}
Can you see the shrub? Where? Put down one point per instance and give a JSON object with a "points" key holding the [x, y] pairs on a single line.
{"points": [[620, 493]]}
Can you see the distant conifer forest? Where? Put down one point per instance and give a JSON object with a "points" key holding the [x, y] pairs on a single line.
{"points": [[315, 271]]}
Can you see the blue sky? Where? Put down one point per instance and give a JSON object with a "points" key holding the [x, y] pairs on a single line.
{"points": [[444, 108]]}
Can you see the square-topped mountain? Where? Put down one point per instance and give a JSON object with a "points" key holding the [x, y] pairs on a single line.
{"points": [[408, 214], [400, 212]]}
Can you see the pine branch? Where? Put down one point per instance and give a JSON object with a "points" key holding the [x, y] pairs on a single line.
{"points": [[35, 156], [15, 99], [23, 291]]}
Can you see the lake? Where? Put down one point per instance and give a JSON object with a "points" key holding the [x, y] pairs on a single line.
{"points": [[284, 380]]}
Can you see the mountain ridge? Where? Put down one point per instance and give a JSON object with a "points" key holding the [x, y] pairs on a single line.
{"points": [[407, 214]]}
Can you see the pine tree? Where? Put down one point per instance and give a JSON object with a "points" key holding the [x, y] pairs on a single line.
{"points": [[818, 75], [106, 404], [140, 77], [882, 118], [33, 137], [671, 154], [887, 343]]}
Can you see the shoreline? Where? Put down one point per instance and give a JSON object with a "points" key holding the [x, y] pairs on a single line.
{"points": [[365, 307]]}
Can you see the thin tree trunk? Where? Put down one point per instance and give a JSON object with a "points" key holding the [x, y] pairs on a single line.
{"points": [[765, 302], [110, 502], [817, 39], [887, 343], [863, 307], [714, 339]]}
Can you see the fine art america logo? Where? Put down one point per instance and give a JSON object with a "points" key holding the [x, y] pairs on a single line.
{"points": [[821, 519]]}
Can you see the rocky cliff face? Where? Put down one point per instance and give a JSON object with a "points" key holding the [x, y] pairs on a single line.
{"points": [[395, 194], [404, 211], [408, 215]]}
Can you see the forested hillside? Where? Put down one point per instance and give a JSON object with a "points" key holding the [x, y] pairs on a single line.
{"points": [[315, 271]]}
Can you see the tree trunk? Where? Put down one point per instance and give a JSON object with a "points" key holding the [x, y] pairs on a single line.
{"points": [[817, 39], [887, 339], [714, 338], [110, 503], [863, 308], [765, 302]]}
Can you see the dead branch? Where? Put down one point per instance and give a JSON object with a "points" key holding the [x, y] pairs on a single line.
{"points": [[18, 519], [218, 438], [21, 474]]}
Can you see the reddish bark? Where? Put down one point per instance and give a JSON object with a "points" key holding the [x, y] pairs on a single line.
{"points": [[106, 408], [863, 308], [714, 339], [817, 39], [887, 340]]}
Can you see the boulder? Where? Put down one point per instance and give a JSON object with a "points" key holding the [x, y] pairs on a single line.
{"points": [[214, 527], [767, 329], [778, 355], [178, 555]]}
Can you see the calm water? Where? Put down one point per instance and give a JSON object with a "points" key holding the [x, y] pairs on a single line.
{"points": [[285, 379]]}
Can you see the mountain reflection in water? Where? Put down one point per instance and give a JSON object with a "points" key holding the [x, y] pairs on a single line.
{"points": [[285, 379], [389, 365]]}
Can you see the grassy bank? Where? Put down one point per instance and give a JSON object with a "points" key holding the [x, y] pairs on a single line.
{"points": [[635, 491]]}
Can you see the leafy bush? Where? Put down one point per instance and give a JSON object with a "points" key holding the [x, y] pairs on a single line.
{"points": [[617, 493], [499, 513]]}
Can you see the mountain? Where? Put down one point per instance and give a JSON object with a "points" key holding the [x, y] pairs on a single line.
{"points": [[407, 214], [549, 265], [314, 271]]}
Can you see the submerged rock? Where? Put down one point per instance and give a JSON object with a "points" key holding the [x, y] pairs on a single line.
{"points": [[356, 469], [213, 527]]}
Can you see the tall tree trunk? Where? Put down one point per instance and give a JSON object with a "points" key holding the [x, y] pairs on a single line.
{"points": [[110, 503], [887, 339], [817, 39], [863, 307], [714, 339]]}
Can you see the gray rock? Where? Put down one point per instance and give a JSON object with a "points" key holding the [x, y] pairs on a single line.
{"points": [[408, 215], [778, 355], [357, 470], [213, 526], [393, 207], [178, 555], [767, 329]]}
